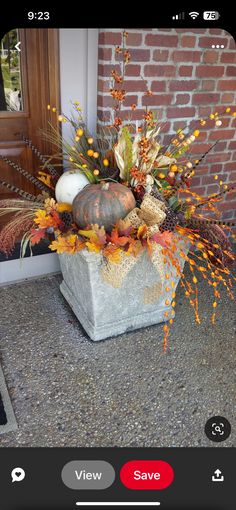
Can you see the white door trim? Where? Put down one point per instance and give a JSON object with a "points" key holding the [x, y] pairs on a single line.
{"points": [[12, 271], [78, 82]]}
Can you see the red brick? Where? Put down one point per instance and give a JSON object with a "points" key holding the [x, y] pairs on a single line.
{"points": [[182, 98], [157, 99], [195, 181], [161, 40], [228, 205], [185, 71], [104, 116], [106, 69], [188, 41], [175, 112], [229, 167], [206, 42], [130, 99], [209, 179], [183, 85], [135, 86], [103, 86], [227, 85], [139, 55], [227, 98], [110, 38], [179, 124], [231, 71], [206, 98], [157, 70], [232, 145], [216, 31], [134, 39], [228, 57], [232, 44], [136, 114], [136, 55], [208, 84], [200, 190], [132, 70], [202, 170], [158, 86], [232, 177], [160, 55], [225, 134], [105, 101], [211, 57], [186, 56], [212, 188], [205, 71], [215, 158], [216, 169], [165, 128], [220, 146], [104, 53], [204, 111], [200, 148]]}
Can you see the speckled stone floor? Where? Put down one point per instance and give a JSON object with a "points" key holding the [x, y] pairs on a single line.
{"points": [[68, 391]]}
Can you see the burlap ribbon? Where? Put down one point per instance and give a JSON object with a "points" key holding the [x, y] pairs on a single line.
{"points": [[151, 214]]}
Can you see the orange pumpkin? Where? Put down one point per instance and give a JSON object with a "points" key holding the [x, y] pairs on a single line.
{"points": [[103, 203]]}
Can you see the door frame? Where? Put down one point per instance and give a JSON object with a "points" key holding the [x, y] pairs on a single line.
{"points": [[86, 92]]}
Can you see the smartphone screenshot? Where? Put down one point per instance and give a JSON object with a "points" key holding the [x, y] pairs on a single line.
{"points": [[117, 259]]}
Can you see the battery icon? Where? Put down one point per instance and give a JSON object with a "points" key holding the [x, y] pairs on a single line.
{"points": [[211, 15]]}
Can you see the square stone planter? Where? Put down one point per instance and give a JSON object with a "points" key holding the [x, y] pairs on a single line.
{"points": [[105, 311]]}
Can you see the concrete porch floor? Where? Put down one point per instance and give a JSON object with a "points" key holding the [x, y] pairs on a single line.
{"points": [[68, 391]]}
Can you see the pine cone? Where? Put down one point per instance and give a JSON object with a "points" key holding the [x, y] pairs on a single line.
{"points": [[170, 221], [67, 219]]}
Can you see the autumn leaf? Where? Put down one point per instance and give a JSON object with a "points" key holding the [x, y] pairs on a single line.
{"points": [[36, 235], [67, 244], [112, 253], [116, 239], [57, 222], [135, 248], [96, 236], [149, 247], [163, 238], [42, 219], [142, 232]]}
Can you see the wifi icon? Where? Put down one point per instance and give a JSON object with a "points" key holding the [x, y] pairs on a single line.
{"points": [[194, 14]]}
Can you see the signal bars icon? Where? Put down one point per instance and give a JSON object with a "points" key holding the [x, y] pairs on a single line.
{"points": [[181, 15]]}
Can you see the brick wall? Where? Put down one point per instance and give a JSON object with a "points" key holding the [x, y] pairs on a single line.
{"points": [[189, 80]]}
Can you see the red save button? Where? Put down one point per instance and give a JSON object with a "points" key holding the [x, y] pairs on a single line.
{"points": [[147, 474]]}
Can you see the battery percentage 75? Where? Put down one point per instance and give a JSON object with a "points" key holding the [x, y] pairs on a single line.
{"points": [[211, 15]]}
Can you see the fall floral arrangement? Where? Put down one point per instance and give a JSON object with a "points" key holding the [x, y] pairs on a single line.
{"points": [[125, 192]]}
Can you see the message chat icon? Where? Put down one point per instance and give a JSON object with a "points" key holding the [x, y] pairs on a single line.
{"points": [[17, 474]]}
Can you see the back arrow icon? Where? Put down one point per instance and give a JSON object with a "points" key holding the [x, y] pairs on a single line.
{"points": [[17, 46]]}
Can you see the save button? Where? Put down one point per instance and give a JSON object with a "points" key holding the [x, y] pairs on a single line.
{"points": [[147, 474]]}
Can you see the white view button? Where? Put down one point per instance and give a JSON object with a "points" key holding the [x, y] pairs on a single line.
{"points": [[88, 474]]}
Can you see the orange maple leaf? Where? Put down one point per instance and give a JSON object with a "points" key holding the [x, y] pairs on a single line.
{"points": [[118, 240], [112, 253], [163, 238], [67, 244], [36, 235]]}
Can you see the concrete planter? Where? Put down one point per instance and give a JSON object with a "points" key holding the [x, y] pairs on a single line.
{"points": [[103, 310]]}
